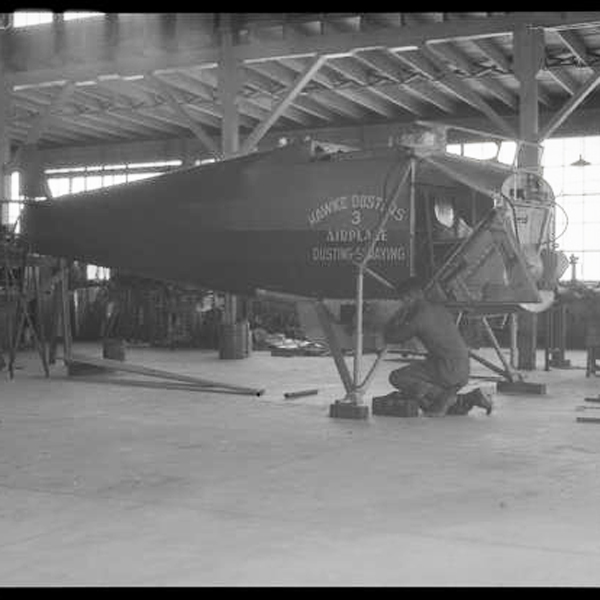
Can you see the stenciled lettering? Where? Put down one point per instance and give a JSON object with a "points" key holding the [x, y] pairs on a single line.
{"points": [[348, 253], [354, 235], [328, 208], [356, 202]]}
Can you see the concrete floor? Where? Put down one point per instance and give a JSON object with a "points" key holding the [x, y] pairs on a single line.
{"points": [[104, 485]]}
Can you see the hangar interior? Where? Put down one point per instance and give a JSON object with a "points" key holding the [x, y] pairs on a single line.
{"points": [[165, 421]]}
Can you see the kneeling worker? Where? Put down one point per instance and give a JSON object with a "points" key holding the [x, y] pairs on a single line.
{"points": [[434, 381]]}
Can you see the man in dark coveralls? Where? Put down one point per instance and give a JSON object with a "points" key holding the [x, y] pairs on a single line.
{"points": [[434, 381]]}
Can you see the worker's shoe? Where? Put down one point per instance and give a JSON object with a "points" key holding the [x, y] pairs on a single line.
{"points": [[395, 404], [441, 405], [462, 406], [482, 400], [466, 402]]}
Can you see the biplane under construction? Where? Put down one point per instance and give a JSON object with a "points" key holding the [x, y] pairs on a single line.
{"points": [[322, 226]]}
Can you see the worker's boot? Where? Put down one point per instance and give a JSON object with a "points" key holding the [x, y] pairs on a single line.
{"points": [[462, 406], [440, 406], [479, 398], [395, 404], [466, 402]]}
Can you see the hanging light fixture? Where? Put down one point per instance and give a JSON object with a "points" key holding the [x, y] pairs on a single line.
{"points": [[580, 162]]}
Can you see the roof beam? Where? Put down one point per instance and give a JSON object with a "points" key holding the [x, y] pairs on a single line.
{"points": [[349, 68], [252, 110], [102, 122], [558, 119], [564, 79], [191, 54], [208, 105], [123, 87], [198, 130], [410, 37], [310, 106], [255, 107], [42, 121], [170, 119], [493, 52], [384, 63], [276, 71], [204, 115], [337, 103], [264, 83], [428, 93], [355, 72], [83, 129], [266, 106], [575, 45], [99, 125], [401, 98], [149, 120], [362, 134], [458, 86], [194, 81], [93, 92], [464, 64], [143, 120], [290, 95], [375, 105], [423, 90], [329, 96], [247, 111]]}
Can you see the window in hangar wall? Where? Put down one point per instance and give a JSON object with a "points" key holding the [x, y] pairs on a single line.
{"points": [[71, 180], [576, 189], [27, 18]]}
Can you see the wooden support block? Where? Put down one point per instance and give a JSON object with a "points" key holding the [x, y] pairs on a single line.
{"points": [[348, 410], [113, 348], [395, 407], [521, 387], [560, 364], [588, 419]]}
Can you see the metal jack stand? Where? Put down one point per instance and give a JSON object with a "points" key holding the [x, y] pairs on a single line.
{"points": [[352, 405]]}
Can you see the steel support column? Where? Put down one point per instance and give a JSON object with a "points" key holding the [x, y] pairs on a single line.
{"points": [[529, 57], [5, 99], [228, 87]]}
